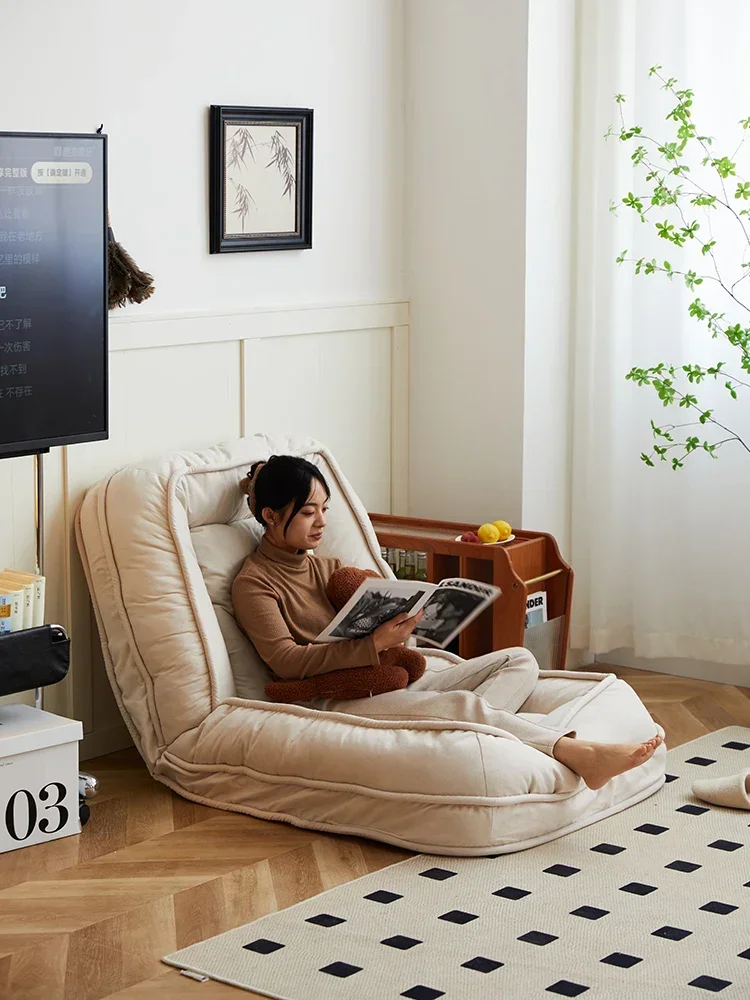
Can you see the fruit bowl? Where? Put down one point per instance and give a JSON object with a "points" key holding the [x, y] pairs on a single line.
{"points": [[505, 541]]}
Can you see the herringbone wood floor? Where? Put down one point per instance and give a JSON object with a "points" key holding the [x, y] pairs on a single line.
{"points": [[89, 917]]}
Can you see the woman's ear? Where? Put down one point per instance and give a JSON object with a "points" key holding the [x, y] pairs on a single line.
{"points": [[269, 515]]}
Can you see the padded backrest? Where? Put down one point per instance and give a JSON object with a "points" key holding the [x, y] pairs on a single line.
{"points": [[161, 542]]}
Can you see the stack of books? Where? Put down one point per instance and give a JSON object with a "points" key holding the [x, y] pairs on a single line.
{"points": [[21, 600]]}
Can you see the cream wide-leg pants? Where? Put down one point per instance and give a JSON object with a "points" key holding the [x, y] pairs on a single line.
{"points": [[487, 689]]}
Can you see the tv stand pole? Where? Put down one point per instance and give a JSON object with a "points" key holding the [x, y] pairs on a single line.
{"points": [[88, 785], [39, 515]]}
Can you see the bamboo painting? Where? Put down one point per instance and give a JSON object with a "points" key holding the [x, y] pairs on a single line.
{"points": [[261, 178]]}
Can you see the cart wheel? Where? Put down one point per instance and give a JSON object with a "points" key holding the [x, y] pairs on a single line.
{"points": [[84, 812]]}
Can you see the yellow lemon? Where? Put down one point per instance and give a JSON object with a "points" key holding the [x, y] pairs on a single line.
{"points": [[504, 528], [488, 533]]}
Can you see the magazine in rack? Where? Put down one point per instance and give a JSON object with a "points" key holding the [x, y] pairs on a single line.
{"points": [[448, 608]]}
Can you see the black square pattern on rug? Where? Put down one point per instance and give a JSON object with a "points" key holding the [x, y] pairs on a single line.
{"points": [[734, 745], [510, 892], [481, 964], [325, 920], [423, 993], [589, 912], [710, 983], [692, 810], [638, 888], [537, 937], [683, 866], [670, 777], [262, 946], [726, 845], [608, 849], [439, 874], [401, 942], [342, 970], [651, 828], [621, 961], [458, 917], [383, 896], [564, 871], [715, 906], [671, 933], [563, 988], [700, 761]]}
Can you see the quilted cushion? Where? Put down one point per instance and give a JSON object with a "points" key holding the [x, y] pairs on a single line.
{"points": [[221, 550]]}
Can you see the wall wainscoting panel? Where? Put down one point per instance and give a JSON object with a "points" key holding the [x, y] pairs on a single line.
{"points": [[188, 381]]}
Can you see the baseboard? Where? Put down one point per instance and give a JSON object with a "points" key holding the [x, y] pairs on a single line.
{"points": [[579, 659], [105, 741], [736, 674]]}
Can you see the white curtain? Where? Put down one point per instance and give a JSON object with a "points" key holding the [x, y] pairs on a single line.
{"points": [[662, 558]]}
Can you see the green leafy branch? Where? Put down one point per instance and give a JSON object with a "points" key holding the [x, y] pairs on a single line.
{"points": [[672, 186], [662, 378]]}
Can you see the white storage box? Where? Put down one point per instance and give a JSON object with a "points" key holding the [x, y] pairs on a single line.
{"points": [[38, 776]]}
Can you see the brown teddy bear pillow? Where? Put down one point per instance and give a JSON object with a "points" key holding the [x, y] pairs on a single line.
{"points": [[398, 666]]}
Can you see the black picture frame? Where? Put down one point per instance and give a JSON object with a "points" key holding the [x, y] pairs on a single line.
{"points": [[280, 173]]}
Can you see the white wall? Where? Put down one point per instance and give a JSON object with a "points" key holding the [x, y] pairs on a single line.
{"points": [[550, 138], [489, 180], [149, 70], [294, 341], [466, 74]]}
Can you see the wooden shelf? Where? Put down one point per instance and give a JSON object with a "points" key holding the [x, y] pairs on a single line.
{"points": [[530, 563]]}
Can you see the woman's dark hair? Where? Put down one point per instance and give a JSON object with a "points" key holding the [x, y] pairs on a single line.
{"points": [[282, 480]]}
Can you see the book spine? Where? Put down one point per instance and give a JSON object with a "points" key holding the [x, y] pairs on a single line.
{"points": [[28, 605], [6, 613], [40, 586], [11, 611], [17, 616]]}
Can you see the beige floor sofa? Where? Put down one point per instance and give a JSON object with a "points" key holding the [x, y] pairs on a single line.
{"points": [[161, 542]]}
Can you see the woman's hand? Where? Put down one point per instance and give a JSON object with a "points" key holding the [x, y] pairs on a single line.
{"points": [[395, 631]]}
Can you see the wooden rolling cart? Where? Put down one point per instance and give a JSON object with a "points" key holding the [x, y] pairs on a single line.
{"points": [[530, 563]]}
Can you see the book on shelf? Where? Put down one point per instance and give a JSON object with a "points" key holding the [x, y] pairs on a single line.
{"points": [[449, 606], [536, 609], [11, 608], [405, 563], [27, 603], [39, 584]]}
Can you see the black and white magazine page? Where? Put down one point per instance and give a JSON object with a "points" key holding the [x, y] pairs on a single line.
{"points": [[375, 602], [450, 608]]}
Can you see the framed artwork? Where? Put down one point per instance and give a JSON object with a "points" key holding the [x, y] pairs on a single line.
{"points": [[260, 179]]}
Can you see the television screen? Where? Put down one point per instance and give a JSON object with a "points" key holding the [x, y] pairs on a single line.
{"points": [[53, 291]]}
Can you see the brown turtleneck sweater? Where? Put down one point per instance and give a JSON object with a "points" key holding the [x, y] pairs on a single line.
{"points": [[280, 604]]}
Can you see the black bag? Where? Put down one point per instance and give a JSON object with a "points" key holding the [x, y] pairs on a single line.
{"points": [[33, 657]]}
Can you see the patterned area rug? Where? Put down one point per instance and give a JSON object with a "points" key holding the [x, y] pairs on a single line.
{"points": [[650, 904]]}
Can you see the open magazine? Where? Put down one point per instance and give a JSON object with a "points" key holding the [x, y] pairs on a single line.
{"points": [[448, 607]]}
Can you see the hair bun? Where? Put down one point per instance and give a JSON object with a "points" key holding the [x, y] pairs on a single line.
{"points": [[247, 485]]}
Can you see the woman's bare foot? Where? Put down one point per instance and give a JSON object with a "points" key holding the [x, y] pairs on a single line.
{"points": [[596, 763]]}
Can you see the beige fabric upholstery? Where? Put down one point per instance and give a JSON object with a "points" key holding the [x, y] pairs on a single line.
{"points": [[161, 542]]}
